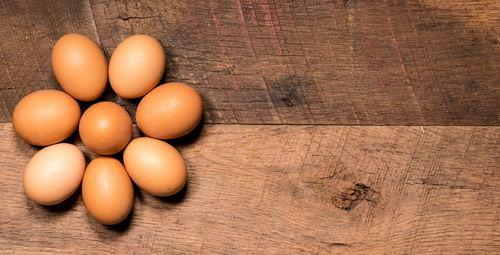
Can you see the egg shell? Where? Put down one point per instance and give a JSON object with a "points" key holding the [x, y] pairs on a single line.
{"points": [[105, 128], [169, 111], [136, 66], [80, 67], [155, 166], [46, 117], [107, 191], [54, 173]]}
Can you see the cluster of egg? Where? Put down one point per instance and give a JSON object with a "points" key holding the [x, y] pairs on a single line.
{"points": [[47, 117]]}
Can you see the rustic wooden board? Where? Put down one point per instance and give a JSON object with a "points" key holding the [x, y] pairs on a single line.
{"points": [[415, 62], [287, 189], [294, 188]]}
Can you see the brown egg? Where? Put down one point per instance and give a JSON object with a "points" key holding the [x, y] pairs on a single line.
{"points": [[46, 117], [136, 66], [169, 111], [80, 67], [107, 191], [155, 166], [105, 128], [54, 173]]}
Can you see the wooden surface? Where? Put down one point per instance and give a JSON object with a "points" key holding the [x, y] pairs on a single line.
{"points": [[330, 126], [288, 189], [414, 62]]}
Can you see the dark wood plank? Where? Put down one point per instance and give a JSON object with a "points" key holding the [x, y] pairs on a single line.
{"points": [[288, 189], [282, 61], [28, 31]]}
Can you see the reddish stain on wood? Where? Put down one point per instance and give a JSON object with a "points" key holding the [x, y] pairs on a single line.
{"points": [[236, 84], [269, 22], [218, 25], [447, 51], [374, 51], [382, 81]]}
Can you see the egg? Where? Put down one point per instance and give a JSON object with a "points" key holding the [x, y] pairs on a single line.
{"points": [[46, 117], [169, 111], [105, 128], [136, 66], [54, 173], [80, 67], [155, 166], [107, 191]]}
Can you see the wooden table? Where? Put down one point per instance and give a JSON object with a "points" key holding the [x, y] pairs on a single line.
{"points": [[331, 126]]}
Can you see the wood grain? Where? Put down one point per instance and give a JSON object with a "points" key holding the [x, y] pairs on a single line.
{"points": [[287, 190], [28, 31], [299, 184], [285, 61]]}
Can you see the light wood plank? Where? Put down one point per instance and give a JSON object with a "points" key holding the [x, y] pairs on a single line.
{"points": [[264, 189]]}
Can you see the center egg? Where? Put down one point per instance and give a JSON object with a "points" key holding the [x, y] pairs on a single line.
{"points": [[105, 128]]}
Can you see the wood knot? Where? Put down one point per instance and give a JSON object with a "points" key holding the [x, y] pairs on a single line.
{"points": [[291, 99], [287, 91], [351, 197]]}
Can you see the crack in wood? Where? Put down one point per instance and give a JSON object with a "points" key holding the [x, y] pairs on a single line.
{"points": [[126, 18], [338, 244]]}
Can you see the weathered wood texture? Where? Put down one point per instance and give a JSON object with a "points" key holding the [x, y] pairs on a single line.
{"points": [[415, 62], [288, 189]]}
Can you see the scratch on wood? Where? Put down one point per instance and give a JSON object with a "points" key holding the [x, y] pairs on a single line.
{"points": [[329, 177], [95, 24], [395, 45]]}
